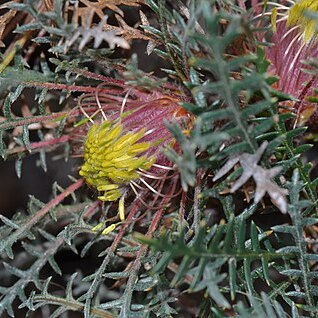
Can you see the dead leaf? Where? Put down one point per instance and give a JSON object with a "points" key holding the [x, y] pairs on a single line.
{"points": [[99, 35], [4, 20], [261, 176]]}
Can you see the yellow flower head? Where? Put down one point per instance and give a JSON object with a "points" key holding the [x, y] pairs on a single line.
{"points": [[112, 158], [297, 16]]}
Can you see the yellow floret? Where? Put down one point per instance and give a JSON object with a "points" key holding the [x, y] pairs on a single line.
{"points": [[112, 158], [297, 16]]}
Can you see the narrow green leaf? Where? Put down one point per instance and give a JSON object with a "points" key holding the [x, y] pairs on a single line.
{"points": [[14, 270], [232, 277], [296, 132], [241, 235], [302, 148], [9, 222], [255, 109], [7, 108], [28, 27], [25, 138], [18, 166], [229, 237], [263, 127], [3, 148], [216, 115], [284, 229], [292, 272], [248, 276]]}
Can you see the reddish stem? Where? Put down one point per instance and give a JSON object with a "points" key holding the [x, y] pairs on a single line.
{"points": [[9, 124], [91, 210], [58, 199], [40, 144], [20, 121], [100, 77], [70, 88]]}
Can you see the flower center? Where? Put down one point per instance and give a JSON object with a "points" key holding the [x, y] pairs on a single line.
{"points": [[298, 16], [112, 158]]}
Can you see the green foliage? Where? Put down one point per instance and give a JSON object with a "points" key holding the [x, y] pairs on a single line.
{"points": [[205, 254], [219, 245]]}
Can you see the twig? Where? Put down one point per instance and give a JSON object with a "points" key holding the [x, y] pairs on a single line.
{"points": [[40, 144]]}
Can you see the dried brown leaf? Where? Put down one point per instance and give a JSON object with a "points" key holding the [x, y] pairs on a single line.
{"points": [[4, 20], [84, 15], [99, 35], [101, 6], [130, 33], [261, 176]]}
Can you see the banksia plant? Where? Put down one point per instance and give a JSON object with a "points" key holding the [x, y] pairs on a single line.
{"points": [[182, 187], [294, 42], [126, 137]]}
